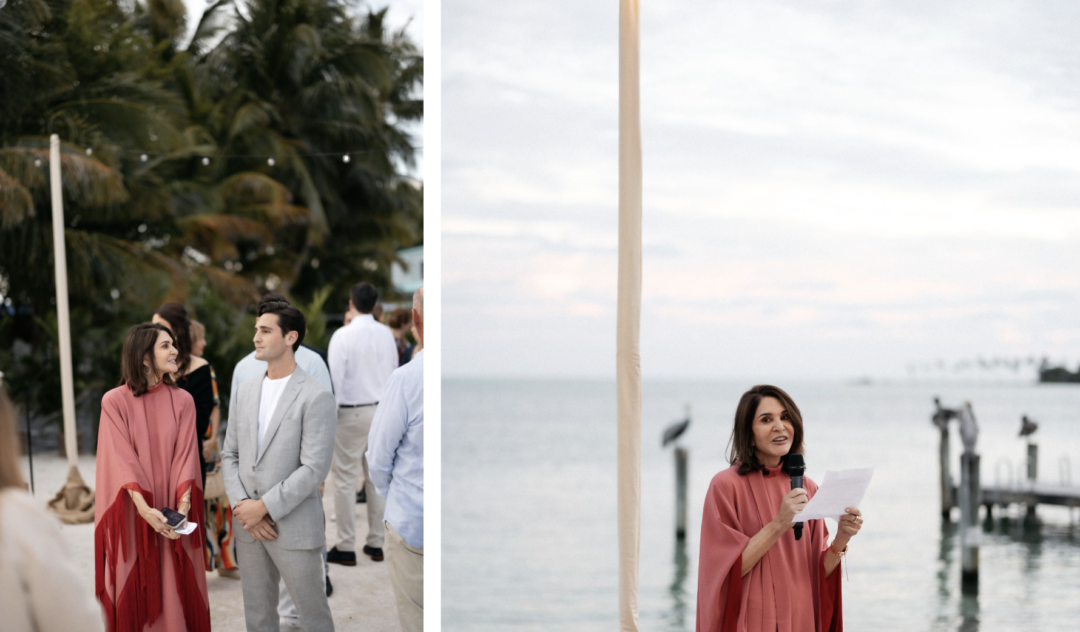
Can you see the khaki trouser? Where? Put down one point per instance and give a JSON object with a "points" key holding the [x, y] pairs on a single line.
{"points": [[406, 566], [349, 464]]}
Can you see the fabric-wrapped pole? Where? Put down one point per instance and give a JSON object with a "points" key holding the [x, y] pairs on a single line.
{"points": [[628, 354]]}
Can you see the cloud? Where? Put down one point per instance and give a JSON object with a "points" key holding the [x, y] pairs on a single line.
{"points": [[851, 187]]}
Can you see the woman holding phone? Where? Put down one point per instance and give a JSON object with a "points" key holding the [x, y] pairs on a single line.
{"points": [[149, 576], [753, 575]]}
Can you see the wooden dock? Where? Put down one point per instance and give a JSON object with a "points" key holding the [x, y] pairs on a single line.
{"points": [[1032, 494]]}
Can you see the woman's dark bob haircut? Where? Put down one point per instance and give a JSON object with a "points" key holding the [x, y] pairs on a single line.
{"points": [[741, 444], [139, 346]]}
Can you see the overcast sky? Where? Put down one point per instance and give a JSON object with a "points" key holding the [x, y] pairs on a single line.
{"points": [[832, 189]]}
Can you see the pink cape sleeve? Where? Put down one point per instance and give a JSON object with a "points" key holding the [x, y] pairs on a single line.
{"points": [[186, 476], [720, 561], [127, 571], [829, 606]]}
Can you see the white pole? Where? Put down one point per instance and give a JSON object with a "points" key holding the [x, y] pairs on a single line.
{"points": [[628, 330], [63, 320]]}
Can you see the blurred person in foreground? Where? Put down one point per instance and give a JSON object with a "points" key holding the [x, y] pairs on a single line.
{"points": [[753, 575], [362, 357], [395, 457], [220, 544], [277, 451], [36, 572], [148, 575]]}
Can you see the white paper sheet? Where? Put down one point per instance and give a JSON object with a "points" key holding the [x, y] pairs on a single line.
{"points": [[840, 489], [187, 528]]}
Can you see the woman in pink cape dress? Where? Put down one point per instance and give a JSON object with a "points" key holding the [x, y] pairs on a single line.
{"points": [[753, 575], [148, 576]]}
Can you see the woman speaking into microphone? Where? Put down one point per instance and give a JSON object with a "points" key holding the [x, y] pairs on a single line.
{"points": [[753, 575]]}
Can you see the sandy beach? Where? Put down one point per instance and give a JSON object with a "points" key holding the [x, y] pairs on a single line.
{"points": [[363, 598]]}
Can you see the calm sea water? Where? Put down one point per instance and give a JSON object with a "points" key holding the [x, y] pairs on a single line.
{"points": [[528, 517]]}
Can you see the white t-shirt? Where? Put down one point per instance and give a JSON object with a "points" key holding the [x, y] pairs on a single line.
{"points": [[271, 393]]}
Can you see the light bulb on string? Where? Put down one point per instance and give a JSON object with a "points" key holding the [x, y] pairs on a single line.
{"points": [[37, 162], [205, 161], [270, 161], [345, 158], [89, 151], [143, 157]]}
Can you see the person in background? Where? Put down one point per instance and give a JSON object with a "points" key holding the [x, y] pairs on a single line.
{"points": [[36, 572], [362, 357], [149, 576], [250, 368], [220, 546], [400, 324], [194, 374], [395, 458]]}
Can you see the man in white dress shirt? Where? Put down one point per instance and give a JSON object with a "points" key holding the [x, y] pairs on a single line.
{"points": [[396, 463], [362, 357]]}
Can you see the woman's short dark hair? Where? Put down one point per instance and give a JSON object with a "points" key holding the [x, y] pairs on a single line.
{"points": [[139, 343], [364, 296], [399, 318], [289, 319], [177, 317], [741, 444]]}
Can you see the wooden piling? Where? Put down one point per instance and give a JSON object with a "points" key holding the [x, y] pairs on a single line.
{"points": [[970, 499], [947, 500], [1032, 473], [682, 461]]}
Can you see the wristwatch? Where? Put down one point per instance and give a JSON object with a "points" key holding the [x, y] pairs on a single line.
{"points": [[839, 554]]}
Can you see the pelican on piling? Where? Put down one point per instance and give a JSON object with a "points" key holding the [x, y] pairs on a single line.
{"points": [[1027, 427], [942, 416]]}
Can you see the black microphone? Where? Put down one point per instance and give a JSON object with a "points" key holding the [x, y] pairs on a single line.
{"points": [[795, 466]]}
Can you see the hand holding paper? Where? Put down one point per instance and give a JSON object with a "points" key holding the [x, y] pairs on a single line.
{"points": [[840, 489], [188, 527]]}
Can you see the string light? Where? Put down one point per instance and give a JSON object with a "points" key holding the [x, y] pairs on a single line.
{"points": [[270, 161], [143, 157], [89, 151], [205, 161], [37, 162], [345, 158]]}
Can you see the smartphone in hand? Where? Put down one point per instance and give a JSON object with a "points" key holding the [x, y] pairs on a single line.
{"points": [[173, 518]]}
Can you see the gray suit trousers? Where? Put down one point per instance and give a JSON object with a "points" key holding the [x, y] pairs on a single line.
{"points": [[264, 564]]}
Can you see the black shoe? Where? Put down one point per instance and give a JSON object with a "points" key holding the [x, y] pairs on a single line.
{"points": [[329, 587], [361, 497], [345, 558], [375, 553]]}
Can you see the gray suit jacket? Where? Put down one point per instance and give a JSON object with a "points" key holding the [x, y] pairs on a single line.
{"points": [[296, 454]]}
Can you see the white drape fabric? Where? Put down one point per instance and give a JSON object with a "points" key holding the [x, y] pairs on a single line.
{"points": [[628, 354]]}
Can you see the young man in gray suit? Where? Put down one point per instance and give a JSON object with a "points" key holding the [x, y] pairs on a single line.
{"points": [[278, 448]]}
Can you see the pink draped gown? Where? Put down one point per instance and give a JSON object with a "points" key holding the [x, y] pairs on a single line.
{"points": [[144, 580]]}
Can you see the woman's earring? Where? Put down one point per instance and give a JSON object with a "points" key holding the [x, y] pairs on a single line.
{"points": [[146, 369]]}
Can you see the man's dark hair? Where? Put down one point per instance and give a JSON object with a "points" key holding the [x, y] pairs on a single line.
{"points": [[289, 319], [364, 296], [274, 297]]}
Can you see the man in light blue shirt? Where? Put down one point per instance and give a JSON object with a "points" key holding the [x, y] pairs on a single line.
{"points": [[251, 369], [395, 458]]}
